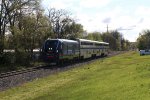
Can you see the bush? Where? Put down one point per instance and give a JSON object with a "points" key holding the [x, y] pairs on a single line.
{"points": [[22, 58], [18, 58], [6, 58]]}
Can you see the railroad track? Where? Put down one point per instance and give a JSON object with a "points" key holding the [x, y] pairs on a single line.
{"points": [[33, 69], [27, 70]]}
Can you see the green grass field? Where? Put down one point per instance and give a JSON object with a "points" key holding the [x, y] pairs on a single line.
{"points": [[122, 77]]}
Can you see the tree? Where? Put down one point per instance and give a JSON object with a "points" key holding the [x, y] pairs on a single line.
{"points": [[3, 23], [143, 41], [107, 37], [35, 29], [94, 36], [116, 40], [15, 9], [133, 46], [59, 19], [73, 30], [126, 45], [11, 13]]}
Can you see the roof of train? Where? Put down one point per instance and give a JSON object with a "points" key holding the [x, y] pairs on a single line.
{"points": [[64, 40], [85, 40]]}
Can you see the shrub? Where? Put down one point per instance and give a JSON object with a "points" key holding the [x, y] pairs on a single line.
{"points": [[22, 58]]}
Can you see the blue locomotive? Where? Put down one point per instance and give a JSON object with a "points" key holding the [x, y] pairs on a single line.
{"points": [[60, 50]]}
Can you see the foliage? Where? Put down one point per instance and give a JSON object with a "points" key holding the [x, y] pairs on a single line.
{"points": [[143, 41], [5, 58], [116, 40], [22, 58], [73, 30], [94, 36]]}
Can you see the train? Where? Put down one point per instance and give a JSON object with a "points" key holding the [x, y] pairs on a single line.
{"points": [[61, 50]]}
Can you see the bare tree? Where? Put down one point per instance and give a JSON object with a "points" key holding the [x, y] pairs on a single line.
{"points": [[59, 19], [3, 23]]}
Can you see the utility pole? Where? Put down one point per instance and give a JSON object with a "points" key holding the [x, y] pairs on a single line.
{"points": [[107, 28]]}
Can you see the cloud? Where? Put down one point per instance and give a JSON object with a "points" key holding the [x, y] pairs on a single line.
{"points": [[93, 3], [91, 22], [107, 20], [126, 28], [58, 4], [143, 11], [141, 21]]}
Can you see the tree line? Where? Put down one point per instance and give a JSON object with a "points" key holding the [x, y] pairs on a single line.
{"points": [[114, 38], [143, 41]]}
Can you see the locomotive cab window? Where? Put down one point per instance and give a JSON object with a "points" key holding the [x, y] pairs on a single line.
{"points": [[51, 45]]}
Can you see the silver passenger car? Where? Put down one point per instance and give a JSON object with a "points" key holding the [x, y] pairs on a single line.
{"points": [[90, 48]]}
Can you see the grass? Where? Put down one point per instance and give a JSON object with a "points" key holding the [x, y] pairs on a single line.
{"points": [[123, 77]]}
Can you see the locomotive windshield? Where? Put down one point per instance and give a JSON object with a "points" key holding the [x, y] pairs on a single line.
{"points": [[51, 45]]}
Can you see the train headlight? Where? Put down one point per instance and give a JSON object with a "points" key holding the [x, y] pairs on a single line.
{"points": [[50, 48]]}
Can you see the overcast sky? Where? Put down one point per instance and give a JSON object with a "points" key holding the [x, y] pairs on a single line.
{"points": [[129, 17]]}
